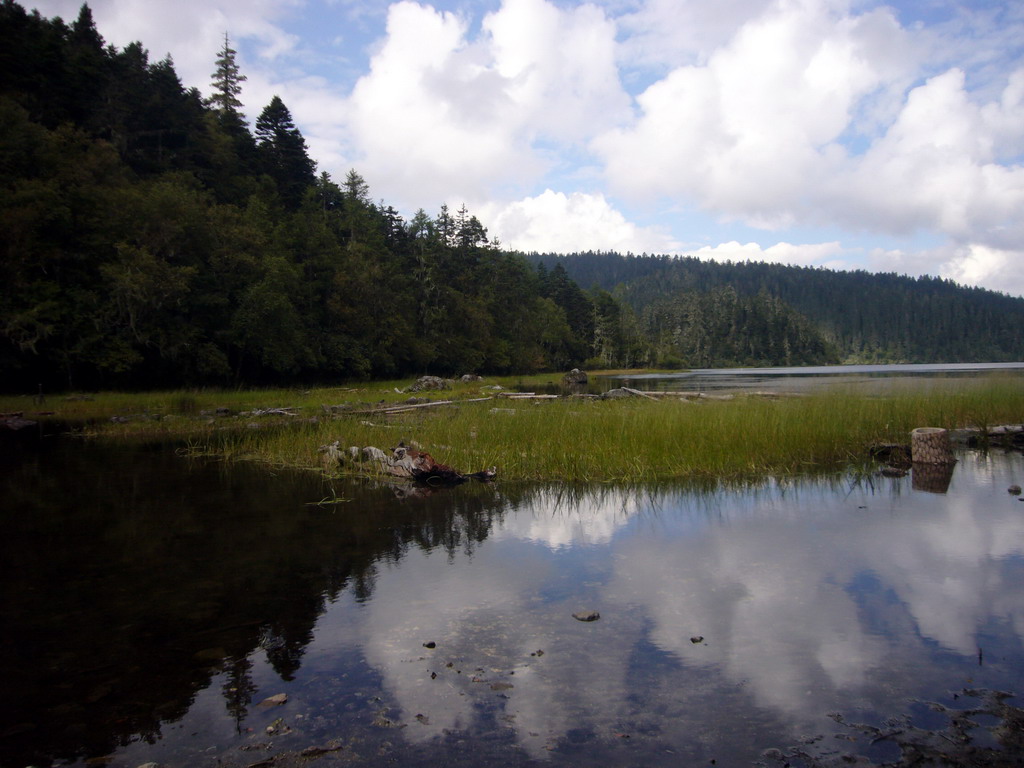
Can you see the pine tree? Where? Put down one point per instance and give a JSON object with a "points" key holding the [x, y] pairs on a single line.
{"points": [[227, 81], [283, 153], [86, 68]]}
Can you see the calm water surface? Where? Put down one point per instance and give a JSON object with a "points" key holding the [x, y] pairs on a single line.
{"points": [[871, 378], [150, 604]]}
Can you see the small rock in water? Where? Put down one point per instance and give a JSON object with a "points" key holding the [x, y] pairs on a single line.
{"points": [[697, 639], [586, 615], [1014, 489], [276, 700], [430, 644]]}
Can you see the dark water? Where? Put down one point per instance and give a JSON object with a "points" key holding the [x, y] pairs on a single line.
{"points": [[149, 604]]}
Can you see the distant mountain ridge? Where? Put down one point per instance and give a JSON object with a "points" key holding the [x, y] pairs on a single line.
{"points": [[866, 317]]}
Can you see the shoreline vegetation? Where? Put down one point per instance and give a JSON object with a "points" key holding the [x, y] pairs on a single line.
{"points": [[568, 438]]}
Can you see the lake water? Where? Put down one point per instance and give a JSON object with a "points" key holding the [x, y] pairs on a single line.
{"points": [[151, 603], [875, 378]]}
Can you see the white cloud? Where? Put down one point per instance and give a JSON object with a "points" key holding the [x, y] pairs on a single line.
{"points": [[428, 116], [749, 133], [771, 130], [935, 168], [670, 33], [560, 223], [441, 116], [559, 66], [993, 268]]}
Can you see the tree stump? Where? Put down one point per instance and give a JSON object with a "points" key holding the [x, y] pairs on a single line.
{"points": [[930, 445]]}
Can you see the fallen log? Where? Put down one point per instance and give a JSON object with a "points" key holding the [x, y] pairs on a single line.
{"points": [[403, 407], [620, 392], [288, 411]]}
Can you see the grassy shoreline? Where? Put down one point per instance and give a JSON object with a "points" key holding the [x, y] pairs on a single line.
{"points": [[569, 439]]}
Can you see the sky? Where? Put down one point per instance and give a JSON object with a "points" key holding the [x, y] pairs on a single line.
{"points": [[847, 134]]}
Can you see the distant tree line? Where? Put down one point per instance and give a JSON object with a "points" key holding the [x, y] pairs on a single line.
{"points": [[151, 239], [816, 313]]}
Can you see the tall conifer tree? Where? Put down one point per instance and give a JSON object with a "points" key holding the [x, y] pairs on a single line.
{"points": [[227, 80], [283, 152]]}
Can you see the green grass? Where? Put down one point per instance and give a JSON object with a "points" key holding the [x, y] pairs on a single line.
{"points": [[100, 406], [569, 439]]}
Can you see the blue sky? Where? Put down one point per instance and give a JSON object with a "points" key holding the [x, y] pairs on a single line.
{"points": [[842, 133]]}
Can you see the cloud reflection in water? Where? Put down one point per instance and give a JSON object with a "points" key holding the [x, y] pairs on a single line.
{"points": [[810, 597]]}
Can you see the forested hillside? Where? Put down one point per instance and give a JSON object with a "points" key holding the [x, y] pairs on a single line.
{"points": [[863, 317], [150, 238]]}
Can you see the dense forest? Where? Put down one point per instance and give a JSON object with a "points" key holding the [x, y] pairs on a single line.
{"points": [[151, 238]]}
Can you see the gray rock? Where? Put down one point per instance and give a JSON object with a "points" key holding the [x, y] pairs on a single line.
{"points": [[613, 394], [331, 455], [893, 472], [428, 382], [586, 615], [374, 454], [575, 378]]}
